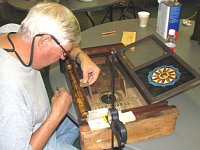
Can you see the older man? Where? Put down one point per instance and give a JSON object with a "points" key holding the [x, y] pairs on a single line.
{"points": [[27, 121]]}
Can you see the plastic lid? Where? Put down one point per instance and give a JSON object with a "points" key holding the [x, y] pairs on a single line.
{"points": [[172, 32]]}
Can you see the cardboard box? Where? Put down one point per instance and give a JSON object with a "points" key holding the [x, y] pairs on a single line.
{"points": [[169, 14]]}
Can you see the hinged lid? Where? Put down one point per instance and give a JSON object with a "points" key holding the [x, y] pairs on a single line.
{"points": [[157, 72]]}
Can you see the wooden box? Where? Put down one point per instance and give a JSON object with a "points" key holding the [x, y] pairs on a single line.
{"points": [[146, 75]]}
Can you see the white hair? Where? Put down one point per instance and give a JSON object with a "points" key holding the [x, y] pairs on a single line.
{"points": [[53, 19]]}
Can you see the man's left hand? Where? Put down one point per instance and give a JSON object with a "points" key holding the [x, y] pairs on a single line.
{"points": [[90, 70]]}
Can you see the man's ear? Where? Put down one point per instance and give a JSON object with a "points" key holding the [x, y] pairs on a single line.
{"points": [[44, 41]]}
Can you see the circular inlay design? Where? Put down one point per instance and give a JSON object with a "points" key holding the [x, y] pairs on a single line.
{"points": [[164, 76]]}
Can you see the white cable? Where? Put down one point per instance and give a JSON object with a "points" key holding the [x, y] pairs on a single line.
{"points": [[187, 21]]}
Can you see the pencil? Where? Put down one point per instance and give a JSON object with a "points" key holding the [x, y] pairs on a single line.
{"points": [[108, 33]]}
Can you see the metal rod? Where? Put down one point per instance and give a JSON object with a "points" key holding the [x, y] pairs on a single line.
{"points": [[113, 78]]}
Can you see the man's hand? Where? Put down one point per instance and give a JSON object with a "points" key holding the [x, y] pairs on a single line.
{"points": [[90, 70], [61, 102]]}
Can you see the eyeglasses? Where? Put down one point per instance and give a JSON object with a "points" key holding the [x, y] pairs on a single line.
{"points": [[57, 42], [67, 52]]}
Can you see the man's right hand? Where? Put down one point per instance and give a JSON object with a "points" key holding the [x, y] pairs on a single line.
{"points": [[61, 103]]}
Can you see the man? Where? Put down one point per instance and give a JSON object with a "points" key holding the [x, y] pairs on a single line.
{"points": [[49, 32]]}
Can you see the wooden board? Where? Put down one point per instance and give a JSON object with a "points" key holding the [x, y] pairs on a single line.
{"points": [[152, 121]]}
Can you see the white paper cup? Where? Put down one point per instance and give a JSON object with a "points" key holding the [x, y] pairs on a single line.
{"points": [[143, 17]]}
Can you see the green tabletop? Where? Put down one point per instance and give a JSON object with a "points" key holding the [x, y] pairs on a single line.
{"points": [[74, 5], [187, 132]]}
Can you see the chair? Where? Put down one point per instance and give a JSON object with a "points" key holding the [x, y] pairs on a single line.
{"points": [[126, 6], [109, 14]]}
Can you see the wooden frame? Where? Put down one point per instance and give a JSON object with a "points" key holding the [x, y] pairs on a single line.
{"points": [[183, 66]]}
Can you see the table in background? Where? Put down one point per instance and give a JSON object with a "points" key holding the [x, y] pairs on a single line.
{"points": [[73, 5], [23, 5], [94, 5], [187, 132]]}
